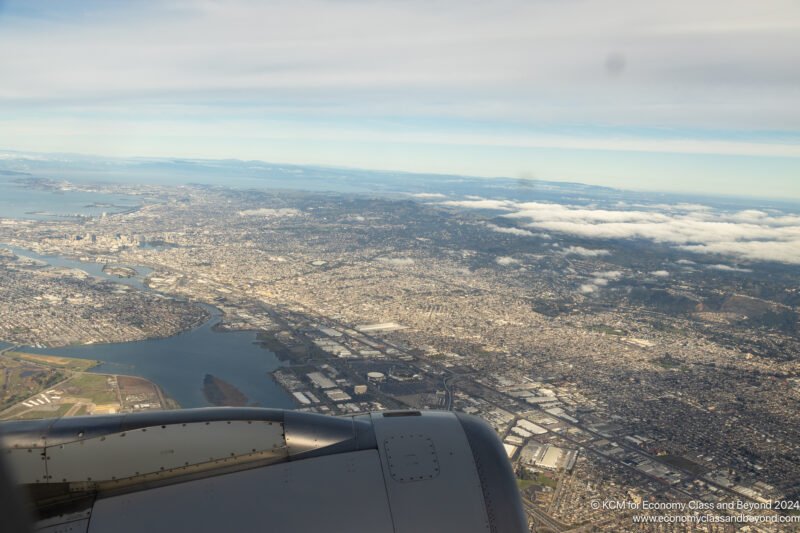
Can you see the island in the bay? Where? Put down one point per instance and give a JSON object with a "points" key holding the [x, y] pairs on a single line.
{"points": [[219, 392]]}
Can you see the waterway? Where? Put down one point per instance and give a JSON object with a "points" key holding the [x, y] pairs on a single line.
{"points": [[21, 201], [178, 364], [93, 269]]}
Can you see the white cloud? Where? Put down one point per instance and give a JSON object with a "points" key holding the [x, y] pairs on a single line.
{"points": [[679, 66], [516, 231], [728, 268], [609, 274], [585, 252], [501, 205], [749, 234], [600, 279], [660, 274], [564, 213], [675, 207], [428, 195], [506, 261]]}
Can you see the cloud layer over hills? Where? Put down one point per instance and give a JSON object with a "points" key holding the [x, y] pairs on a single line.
{"points": [[746, 235]]}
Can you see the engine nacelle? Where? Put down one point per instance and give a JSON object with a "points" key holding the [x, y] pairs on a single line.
{"points": [[248, 469]]}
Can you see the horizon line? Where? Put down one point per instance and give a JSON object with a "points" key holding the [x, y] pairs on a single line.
{"points": [[794, 200]]}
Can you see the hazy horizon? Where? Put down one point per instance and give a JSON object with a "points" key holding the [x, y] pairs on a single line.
{"points": [[790, 200], [683, 97]]}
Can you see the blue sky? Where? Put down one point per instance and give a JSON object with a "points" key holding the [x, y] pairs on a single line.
{"points": [[682, 96]]}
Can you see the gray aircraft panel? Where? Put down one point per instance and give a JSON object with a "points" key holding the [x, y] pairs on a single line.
{"points": [[430, 475], [27, 464], [161, 448], [343, 492]]}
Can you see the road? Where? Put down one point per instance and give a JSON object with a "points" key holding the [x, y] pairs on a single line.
{"points": [[542, 517]]}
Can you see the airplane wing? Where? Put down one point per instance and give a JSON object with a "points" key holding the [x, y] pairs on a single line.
{"points": [[249, 469]]}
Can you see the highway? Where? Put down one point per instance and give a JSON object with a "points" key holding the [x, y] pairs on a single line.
{"points": [[542, 517]]}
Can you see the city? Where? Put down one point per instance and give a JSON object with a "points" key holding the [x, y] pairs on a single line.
{"points": [[670, 380]]}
